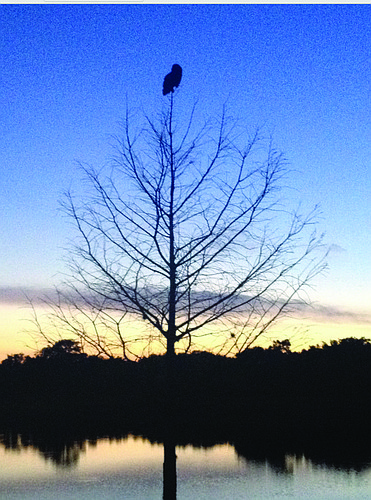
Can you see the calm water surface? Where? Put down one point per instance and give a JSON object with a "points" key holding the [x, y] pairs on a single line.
{"points": [[131, 468]]}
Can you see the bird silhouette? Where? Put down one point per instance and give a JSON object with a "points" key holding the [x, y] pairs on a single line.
{"points": [[172, 79]]}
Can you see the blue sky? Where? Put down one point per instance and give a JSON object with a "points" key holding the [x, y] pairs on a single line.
{"points": [[302, 73]]}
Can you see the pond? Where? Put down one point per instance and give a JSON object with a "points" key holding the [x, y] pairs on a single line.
{"points": [[132, 468]]}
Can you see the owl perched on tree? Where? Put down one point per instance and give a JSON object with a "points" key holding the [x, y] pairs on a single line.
{"points": [[172, 79]]}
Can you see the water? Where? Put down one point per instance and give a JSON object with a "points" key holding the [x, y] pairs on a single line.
{"points": [[131, 468]]}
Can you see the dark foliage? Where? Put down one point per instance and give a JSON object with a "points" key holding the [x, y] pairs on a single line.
{"points": [[61, 349], [172, 79], [263, 400]]}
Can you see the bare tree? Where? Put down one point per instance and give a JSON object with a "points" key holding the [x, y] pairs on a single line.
{"points": [[187, 233]]}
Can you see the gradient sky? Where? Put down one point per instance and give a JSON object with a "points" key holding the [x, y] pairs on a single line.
{"points": [[303, 73]]}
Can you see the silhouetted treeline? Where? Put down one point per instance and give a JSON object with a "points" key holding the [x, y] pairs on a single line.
{"points": [[264, 399]]}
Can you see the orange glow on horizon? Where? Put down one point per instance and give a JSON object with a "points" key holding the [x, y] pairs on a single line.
{"points": [[14, 323], [16, 328]]}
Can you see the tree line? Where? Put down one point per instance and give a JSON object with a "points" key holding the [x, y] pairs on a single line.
{"points": [[264, 397]]}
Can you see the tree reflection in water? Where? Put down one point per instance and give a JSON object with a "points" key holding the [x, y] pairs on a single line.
{"points": [[169, 471], [65, 452], [62, 451]]}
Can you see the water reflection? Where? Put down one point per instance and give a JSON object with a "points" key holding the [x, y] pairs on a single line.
{"points": [[134, 467], [61, 452], [169, 471]]}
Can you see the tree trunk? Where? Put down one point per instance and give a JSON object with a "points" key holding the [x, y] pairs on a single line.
{"points": [[170, 347]]}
